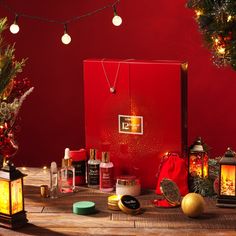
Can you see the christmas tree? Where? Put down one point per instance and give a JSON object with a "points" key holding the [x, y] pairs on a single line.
{"points": [[13, 91], [217, 23]]}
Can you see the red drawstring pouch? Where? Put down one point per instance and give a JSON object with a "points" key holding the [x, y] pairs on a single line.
{"points": [[174, 168]]}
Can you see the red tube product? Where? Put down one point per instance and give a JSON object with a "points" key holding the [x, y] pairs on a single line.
{"points": [[79, 162]]}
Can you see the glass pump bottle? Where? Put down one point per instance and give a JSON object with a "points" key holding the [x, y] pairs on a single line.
{"points": [[67, 174]]}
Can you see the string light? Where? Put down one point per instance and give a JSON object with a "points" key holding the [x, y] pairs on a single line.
{"points": [[229, 18], [198, 13], [14, 28], [116, 20], [66, 38], [221, 50], [216, 41]]}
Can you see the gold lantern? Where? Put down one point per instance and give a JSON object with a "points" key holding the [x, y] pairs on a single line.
{"points": [[12, 213], [227, 180], [198, 160]]}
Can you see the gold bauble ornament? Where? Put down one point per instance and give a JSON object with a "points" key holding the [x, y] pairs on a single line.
{"points": [[193, 205]]}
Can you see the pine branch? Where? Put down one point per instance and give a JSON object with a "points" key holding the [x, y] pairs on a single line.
{"points": [[3, 24], [9, 67], [217, 23]]}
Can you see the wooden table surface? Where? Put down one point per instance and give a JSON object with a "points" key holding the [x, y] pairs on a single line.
{"points": [[54, 216]]}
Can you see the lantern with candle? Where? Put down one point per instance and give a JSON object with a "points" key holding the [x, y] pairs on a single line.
{"points": [[198, 160], [227, 180], [12, 213]]}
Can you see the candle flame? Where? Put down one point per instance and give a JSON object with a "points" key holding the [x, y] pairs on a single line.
{"points": [[227, 185]]}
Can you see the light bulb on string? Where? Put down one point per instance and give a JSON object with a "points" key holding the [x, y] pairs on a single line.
{"points": [[116, 20], [66, 39], [14, 28]]}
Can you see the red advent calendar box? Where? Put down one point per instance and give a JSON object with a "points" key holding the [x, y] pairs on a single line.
{"points": [[136, 110]]}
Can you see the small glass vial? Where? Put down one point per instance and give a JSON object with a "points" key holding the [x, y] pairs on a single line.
{"points": [[93, 169], [53, 180], [106, 173], [67, 174]]}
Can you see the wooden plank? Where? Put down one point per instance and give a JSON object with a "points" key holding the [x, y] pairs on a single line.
{"points": [[37, 209], [31, 229], [64, 220], [180, 221]]}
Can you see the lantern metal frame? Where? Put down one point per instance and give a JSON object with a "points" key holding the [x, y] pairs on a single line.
{"points": [[9, 173], [229, 159], [196, 150]]}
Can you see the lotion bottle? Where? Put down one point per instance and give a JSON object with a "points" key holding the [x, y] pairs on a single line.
{"points": [[106, 173], [93, 169]]}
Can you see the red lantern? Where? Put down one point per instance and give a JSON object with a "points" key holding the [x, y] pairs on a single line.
{"points": [[227, 180], [198, 160]]}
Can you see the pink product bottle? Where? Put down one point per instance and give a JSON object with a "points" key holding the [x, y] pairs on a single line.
{"points": [[106, 173], [79, 158]]}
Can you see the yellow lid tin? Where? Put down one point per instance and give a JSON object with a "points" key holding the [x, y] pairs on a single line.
{"points": [[113, 202]]}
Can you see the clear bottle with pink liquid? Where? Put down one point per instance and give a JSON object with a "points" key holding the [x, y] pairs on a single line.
{"points": [[106, 173]]}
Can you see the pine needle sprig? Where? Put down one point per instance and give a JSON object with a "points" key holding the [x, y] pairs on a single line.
{"points": [[9, 67], [217, 23]]}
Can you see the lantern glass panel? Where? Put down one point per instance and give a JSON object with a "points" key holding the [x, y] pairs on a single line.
{"points": [[195, 164], [205, 166], [16, 196], [4, 197], [227, 185]]}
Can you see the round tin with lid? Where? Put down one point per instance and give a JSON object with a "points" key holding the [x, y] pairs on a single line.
{"points": [[113, 202], [84, 207], [129, 204], [128, 185]]}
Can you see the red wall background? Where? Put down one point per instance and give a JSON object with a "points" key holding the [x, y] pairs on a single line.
{"points": [[53, 116]]}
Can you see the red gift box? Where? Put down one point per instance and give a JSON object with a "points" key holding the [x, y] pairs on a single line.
{"points": [[145, 117]]}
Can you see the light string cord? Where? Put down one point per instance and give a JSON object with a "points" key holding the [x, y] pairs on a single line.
{"points": [[65, 22]]}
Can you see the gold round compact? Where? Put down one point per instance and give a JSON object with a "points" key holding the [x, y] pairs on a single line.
{"points": [[170, 191], [129, 205], [113, 202]]}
